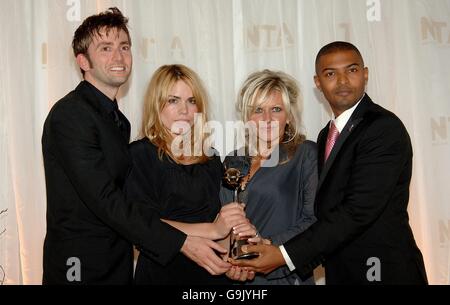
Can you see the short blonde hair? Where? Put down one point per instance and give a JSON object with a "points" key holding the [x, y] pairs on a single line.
{"points": [[257, 88], [157, 96]]}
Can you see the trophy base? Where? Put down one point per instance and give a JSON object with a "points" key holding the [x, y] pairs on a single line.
{"points": [[247, 256], [236, 252]]}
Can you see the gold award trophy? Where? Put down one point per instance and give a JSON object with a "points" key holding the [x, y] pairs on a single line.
{"points": [[235, 169]]}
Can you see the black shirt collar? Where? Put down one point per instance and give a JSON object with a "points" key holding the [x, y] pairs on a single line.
{"points": [[105, 101]]}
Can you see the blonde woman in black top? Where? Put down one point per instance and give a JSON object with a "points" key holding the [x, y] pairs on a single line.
{"points": [[181, 181]]}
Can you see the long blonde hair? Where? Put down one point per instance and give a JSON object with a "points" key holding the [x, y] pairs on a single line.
{"points": [[156, 99], [258, 86]]}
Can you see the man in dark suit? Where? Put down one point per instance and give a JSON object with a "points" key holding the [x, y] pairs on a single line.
{"points": [[362, 235], [90, 226]]}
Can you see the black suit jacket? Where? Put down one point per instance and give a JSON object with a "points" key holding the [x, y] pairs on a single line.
{"points": [[361, 204], [86, 163]]}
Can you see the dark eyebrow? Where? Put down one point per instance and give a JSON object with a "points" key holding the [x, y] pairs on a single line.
{"points": [[102, 44], [355, 64], [349, 66], [106, 43], [327, 69]]}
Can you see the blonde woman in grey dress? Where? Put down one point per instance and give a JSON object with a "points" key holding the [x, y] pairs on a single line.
{"points": [[280, 187]]}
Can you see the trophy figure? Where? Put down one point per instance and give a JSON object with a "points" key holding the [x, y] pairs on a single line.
{"points": [[235, 169]]}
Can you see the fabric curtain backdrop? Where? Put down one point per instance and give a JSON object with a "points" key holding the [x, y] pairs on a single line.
{"points": [[405, 43]]}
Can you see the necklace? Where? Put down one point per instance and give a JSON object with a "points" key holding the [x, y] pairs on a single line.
{"points": [[255, 164]]}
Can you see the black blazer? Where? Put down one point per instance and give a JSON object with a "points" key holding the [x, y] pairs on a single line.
{"points": [[86, 163], [361, 204]]}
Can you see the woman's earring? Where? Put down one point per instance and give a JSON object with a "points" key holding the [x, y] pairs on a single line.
{"points": [[288, 134]]}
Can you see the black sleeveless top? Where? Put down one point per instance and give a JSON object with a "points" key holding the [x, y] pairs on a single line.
{"points": [[185, 193]]}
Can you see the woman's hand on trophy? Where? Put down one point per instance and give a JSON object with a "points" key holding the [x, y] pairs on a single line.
{"points": [[241, 274], [248, 231], [236, 273], [245, 230], [258, 239], [229, 217]]}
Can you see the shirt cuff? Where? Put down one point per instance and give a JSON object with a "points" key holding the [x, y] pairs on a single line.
{"points": [[287, 259]]}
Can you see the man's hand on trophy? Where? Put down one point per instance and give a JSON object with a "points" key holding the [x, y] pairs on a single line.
{"points": [[269, 259], [229, 217], [201, 251]]}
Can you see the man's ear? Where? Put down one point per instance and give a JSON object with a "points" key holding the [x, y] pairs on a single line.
{"points": [[83, 62], [317, 82], [366, 74]]}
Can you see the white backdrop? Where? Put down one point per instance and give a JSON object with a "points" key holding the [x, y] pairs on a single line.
{"points": [[406, 45]]}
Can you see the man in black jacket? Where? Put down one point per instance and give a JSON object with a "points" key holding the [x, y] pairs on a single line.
{"points": [[90, 226], [362, 234]]}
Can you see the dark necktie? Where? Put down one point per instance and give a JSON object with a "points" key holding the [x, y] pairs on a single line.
{"points": [[117, 119], [119, 122]]}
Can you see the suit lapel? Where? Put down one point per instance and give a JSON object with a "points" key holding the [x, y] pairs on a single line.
{"points": [[321, 143], [356, 118]]}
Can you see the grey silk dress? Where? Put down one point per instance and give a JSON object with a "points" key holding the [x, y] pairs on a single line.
{"points": [[280, 203]]}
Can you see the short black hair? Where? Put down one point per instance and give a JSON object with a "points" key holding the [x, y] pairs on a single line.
{"points": [[337, 46], [91, 26]]}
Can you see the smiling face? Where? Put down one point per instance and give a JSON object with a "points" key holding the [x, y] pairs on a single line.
{"points": [[342, 78], [179, 111], [270, 117], [108, 62]]}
